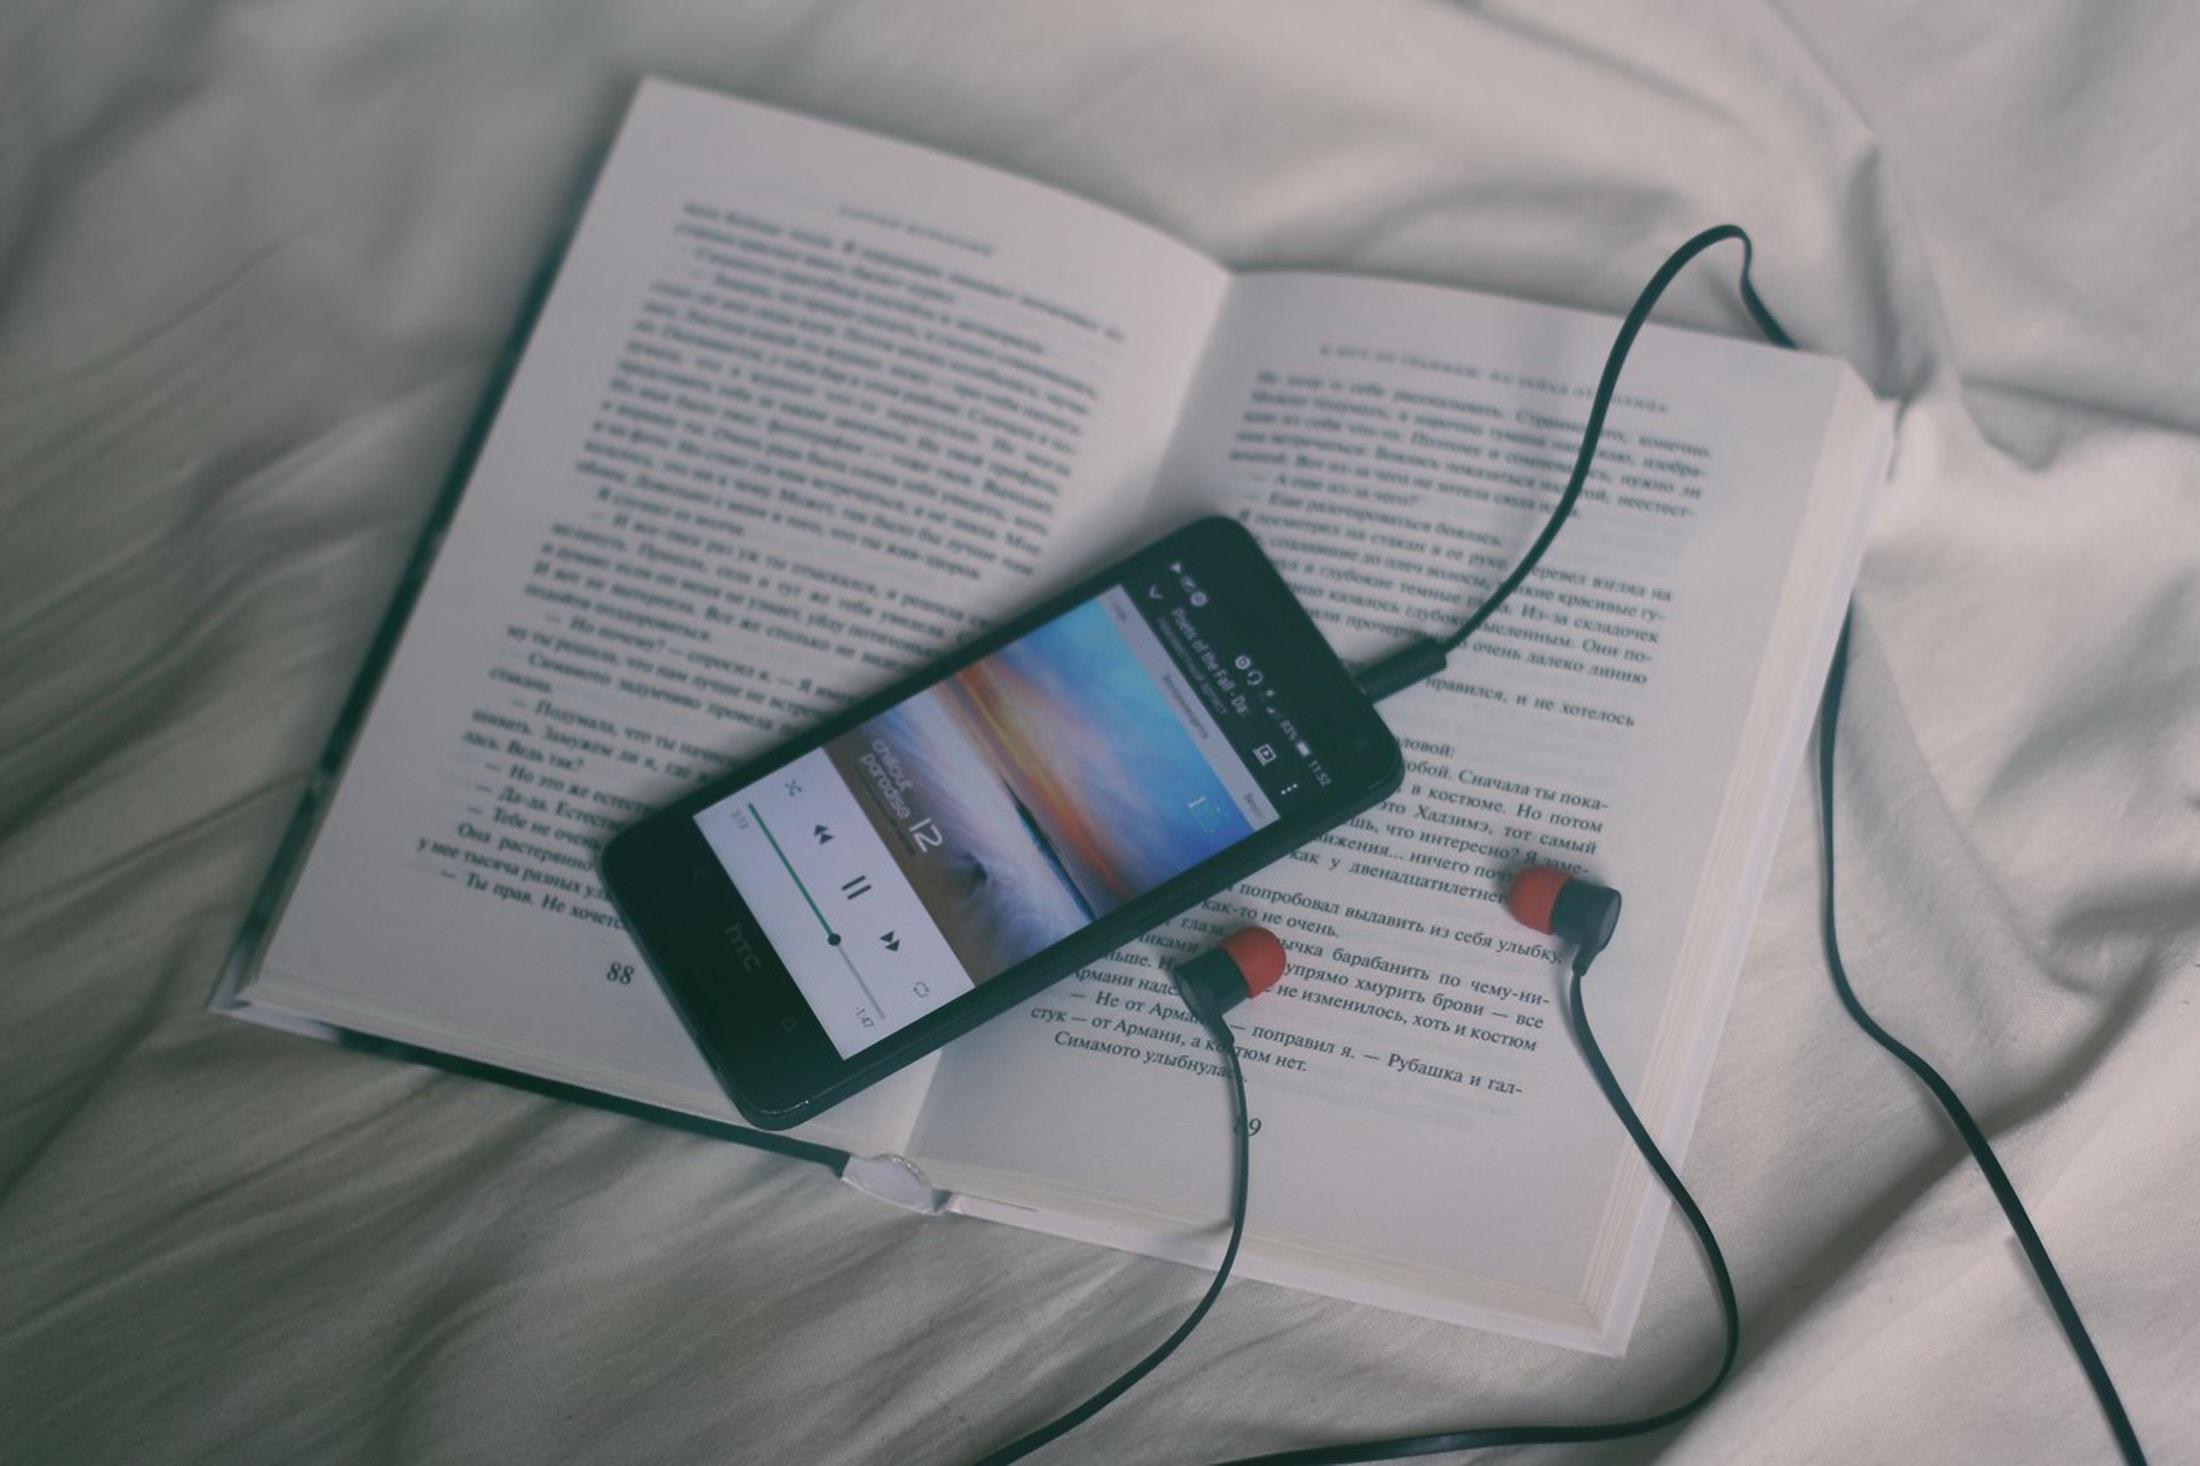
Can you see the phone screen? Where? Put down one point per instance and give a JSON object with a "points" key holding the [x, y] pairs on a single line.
{"points": [[1001, 809]]}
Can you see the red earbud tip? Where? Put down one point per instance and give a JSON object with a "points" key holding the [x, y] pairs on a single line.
{"points": [[1533, 893], [1259, 958]]}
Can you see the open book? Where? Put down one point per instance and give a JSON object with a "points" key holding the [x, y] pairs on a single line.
{"points": [[805, 406]]}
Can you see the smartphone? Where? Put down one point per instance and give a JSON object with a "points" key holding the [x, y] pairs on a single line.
{"points": [[938, 853]]}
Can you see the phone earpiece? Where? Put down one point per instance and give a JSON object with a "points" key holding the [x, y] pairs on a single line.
{"points": [[1570, 907], [1245, 965]]}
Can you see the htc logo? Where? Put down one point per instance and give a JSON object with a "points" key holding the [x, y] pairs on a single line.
{"points": [[744, 947]]}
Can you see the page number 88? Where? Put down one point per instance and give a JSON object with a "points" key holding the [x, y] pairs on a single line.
{"points": [[621, 973]]}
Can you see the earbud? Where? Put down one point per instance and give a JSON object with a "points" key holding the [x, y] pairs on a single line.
{"points": [[1245, 965], [1572, 908]]}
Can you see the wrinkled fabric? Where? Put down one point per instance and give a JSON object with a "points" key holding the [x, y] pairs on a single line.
{"points": [[255, 264]]}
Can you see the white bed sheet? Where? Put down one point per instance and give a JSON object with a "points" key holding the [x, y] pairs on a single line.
{"points": [[254, 262]]}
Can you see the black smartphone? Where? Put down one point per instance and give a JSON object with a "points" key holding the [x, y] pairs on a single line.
{"points": [[938, 853]]}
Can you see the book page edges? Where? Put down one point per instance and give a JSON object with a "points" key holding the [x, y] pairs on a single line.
{"points": [[1852, 463], [277, 1000], [241, 967], [1451, 1298]]}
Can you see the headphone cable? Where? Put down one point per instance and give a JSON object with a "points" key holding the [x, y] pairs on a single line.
{"points": [[1416, 662], [1974, 1138]]}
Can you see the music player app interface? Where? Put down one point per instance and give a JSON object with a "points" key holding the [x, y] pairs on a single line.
{"points": [[1007, 806]]}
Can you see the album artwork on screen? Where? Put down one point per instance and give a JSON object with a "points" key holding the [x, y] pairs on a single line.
{"points": [[806, 407], [985, 819]]}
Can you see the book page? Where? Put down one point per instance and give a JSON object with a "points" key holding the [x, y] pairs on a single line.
{"points": [[804, 408], [1422, 1107]]}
